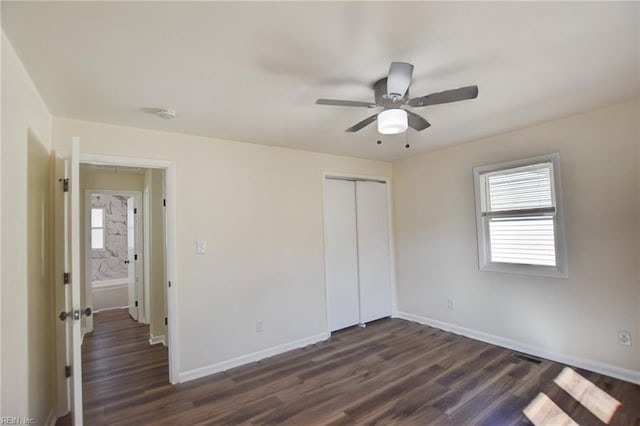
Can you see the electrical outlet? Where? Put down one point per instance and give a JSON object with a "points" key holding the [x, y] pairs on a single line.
{"points": [[259, 326], [201, 247], [451, 304], [624, 337]]}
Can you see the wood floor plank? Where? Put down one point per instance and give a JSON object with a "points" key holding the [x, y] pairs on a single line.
{"points": [[390, 372]]}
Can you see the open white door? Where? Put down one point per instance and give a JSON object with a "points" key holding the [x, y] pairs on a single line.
{"points": [[62, 292], [131, 253], [74, 316]]}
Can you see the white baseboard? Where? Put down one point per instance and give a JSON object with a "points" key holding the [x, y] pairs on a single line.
{"points": [[252, 357], [110, 309], [108, 284], [51, 418], [154, 340], [632, 376]]}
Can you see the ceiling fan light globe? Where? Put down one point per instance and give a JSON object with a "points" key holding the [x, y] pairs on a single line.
{"points": [[392, 121]]}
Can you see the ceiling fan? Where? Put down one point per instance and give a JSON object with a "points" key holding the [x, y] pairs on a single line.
{"points": [[392, 94]]}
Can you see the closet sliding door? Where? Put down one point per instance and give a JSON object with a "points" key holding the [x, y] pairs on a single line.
{"points": [[372, 225], [341, 254]]}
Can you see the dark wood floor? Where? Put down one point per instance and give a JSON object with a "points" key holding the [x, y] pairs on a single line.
{"points": [[391, 372]]}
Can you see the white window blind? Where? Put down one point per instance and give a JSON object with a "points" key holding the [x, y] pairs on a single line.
{"points": [[520, 188], [520, 218], [523, 240], [519, 208]]}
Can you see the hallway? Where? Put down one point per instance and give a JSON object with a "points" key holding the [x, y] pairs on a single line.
{"points": [[118, 363]]}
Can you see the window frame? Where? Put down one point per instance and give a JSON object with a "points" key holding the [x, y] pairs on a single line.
{"points": [[482, 221], [102, 228]]}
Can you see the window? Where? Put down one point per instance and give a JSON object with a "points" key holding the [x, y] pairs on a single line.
{"points": [[519, 217], [97, 228]]}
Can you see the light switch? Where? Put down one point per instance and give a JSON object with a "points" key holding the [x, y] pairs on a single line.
{"points": [[201, 247]]}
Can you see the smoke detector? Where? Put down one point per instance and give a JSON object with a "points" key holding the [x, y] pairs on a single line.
{"points": [[166, 113]]}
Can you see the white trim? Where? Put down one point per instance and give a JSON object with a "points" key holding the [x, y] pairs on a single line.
{"points": [[109, 160], [76, 294], [171, 265], [561, 270], [170, 240], [252, 357], [146, 250], [116, 282], [628, 375], [111, 309], [154, 340], [392, 252], [392, 257], [51, 418], [356, 176]]}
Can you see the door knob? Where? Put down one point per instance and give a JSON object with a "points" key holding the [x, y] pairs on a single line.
{"points": [[75, 314]]}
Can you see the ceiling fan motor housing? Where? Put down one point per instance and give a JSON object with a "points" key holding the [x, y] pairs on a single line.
{"points": [[385, 100]]}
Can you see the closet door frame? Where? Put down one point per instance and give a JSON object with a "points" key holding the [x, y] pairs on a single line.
{"points": [[392, 258]]}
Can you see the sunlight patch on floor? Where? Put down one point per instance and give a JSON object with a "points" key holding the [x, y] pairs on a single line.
{"points": [[594, 399], [542, 411]]}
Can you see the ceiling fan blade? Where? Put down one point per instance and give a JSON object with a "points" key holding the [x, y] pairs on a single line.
{"points": [[362, 124], [338, 102], [417, 122], [455, 95], [399, 78]]}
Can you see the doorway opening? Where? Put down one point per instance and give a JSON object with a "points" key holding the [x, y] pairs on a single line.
{"points": [[150, 240], [124, 244], [114, 252]]}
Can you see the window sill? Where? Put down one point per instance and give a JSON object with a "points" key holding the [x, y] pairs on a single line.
{"points": [[532, 270]]}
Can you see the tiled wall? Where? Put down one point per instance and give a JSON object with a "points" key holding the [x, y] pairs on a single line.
{"points": [[108, 264]]}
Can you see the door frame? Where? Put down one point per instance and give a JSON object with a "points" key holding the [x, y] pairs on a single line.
{"points": [[392, 256], [63, 385], [169, 168], [140, 268]]}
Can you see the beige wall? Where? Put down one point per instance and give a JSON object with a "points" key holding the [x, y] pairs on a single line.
{"points": [[40, 319], [156, 255], [436, 245], [259, 209], [27, 323], [112, 179]]}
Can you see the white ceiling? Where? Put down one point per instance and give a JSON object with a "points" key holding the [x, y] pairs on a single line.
{"points": [[251, 72]]}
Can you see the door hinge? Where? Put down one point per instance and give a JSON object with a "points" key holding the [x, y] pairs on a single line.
{"points": [[164, 202], [65, 185], [66, 278], [67, 371], [136, 303], [135, 257], [166, 322], [169, 283], [135, 210]]}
